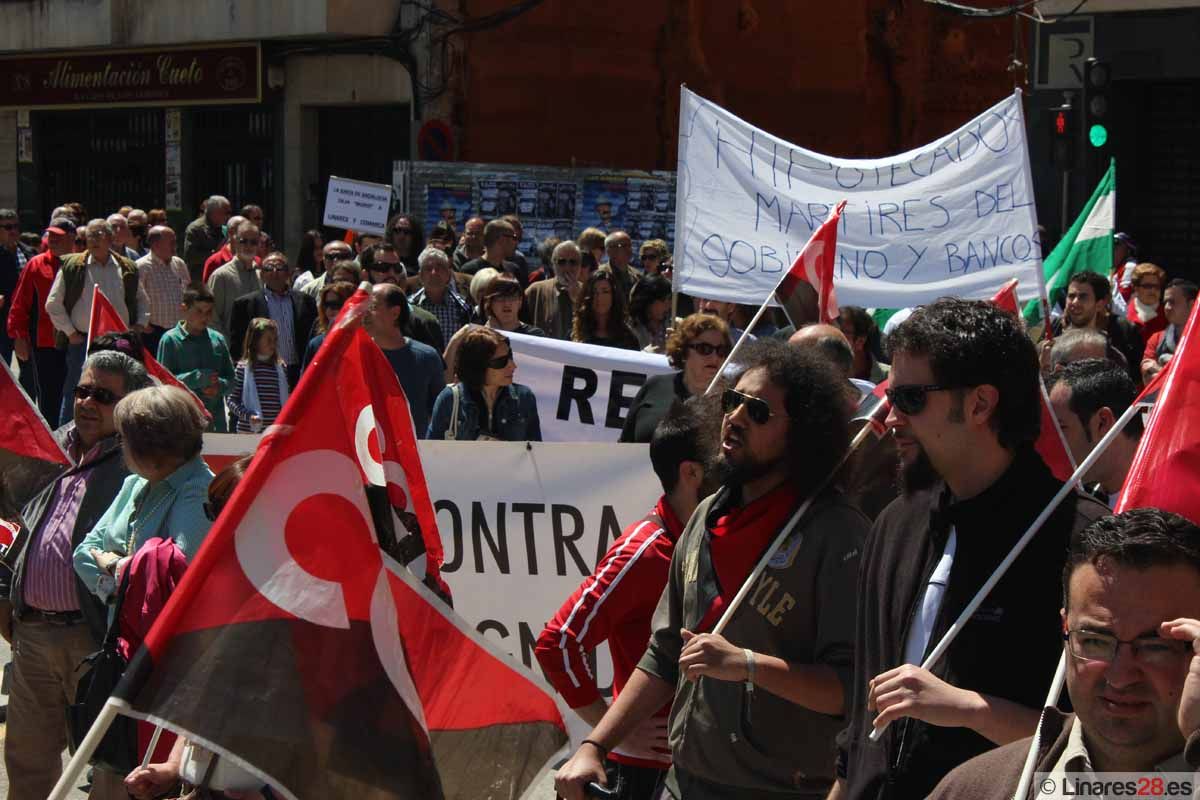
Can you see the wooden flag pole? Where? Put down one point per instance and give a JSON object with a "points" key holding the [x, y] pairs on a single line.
{"points": [[79, 759], [737, 346], [977, 600], [1056, 686]]}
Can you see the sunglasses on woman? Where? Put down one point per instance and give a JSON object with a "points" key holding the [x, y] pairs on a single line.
{"points": [[706, 349], [756, 408], [332, 306], [500, 362], [911, 398]]}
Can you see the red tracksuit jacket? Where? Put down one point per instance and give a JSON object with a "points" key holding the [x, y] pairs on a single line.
{"points": [[614, 604]]}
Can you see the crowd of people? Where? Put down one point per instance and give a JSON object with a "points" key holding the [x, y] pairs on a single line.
{"points": [[827, 647]]}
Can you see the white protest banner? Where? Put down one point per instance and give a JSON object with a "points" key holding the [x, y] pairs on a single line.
{"points": [[583, 391], [357, 205], [955, 217]]}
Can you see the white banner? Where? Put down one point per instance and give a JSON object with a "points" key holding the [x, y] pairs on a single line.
{"points": [[955, 217], [583, 391], [357, 205]]}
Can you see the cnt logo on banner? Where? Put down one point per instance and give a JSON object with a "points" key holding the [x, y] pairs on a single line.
{"points": [[955, 217]]}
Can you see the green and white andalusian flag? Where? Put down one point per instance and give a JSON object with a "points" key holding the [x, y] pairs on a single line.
{"points": [[1086, 247]]}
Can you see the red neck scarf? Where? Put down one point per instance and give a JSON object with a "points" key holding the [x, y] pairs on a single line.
{"points": [[738, 539]]}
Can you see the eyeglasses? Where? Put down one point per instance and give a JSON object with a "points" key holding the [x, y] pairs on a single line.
{"points": [[405, 231], [1154, 286], [275, 268], [332, 306], [757, 408], [378, 267], [620, 246], [566, 262], [248, 241], [500, 362], [101, 395], [11, 226], [911, 398], [1153, 650], [706, 349], [509, 235]]}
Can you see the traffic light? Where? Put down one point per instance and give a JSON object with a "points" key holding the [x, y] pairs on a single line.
{"points": [[1062, 136], [1097, 105]]}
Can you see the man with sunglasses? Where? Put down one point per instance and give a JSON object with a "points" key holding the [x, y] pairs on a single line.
{"points": [[965, 414], [499, 239], [54, 620], [756, 708], [294, 313], [236, 279], [1131, 601], [550, 303]]}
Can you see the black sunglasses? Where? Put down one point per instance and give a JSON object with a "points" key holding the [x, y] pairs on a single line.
{"points": [[706, 349], [566, 262], [500, 362], [757, 408], [332, 305], [380, 267], [12, 226], [911, 398], [101, 395], [248, 241]]}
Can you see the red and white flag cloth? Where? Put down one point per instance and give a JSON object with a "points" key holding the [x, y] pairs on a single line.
{"points": [[300, 646], [1165, 472], [23, 430], [814, 266], [106, 319]]}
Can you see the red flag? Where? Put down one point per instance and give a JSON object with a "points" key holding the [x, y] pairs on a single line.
{"points": [[105, 319], [299, 642], [814, 266], [1050, 444], [1165, 472], [1006, 298], [23, 430], [874, 407]]}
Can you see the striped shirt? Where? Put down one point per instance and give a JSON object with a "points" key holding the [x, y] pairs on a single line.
{"points": [[49, 583], [279, 306], [266, 383], [164, 284]]}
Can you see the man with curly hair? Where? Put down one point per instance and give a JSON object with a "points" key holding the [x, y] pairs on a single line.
{"points": [[755, 709], [965, 415]]}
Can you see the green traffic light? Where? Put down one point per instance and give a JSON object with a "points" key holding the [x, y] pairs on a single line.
{"points": [[1098, 135]]}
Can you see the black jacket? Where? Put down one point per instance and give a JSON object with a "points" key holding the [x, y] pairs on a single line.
{"points": [[250, 306], [651, 404], [1009, 648]]}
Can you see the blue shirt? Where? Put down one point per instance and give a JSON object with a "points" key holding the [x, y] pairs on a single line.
{"points": [[419, 368], [173, 509], [514, 416], [279, 306]]}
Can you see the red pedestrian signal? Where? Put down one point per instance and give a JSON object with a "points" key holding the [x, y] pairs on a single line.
{"points": [[1060, 123]]}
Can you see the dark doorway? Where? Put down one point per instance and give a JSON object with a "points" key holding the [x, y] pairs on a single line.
{"points": [[102, 159], [359, 142], [233, 153]]}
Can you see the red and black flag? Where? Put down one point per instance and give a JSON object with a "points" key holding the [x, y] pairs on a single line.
{"points": [[812, 271], [300, 643]]}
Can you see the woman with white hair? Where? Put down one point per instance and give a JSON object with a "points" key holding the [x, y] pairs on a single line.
{"points": [[161, 430]]}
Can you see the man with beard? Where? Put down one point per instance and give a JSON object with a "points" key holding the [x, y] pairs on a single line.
{"points": [[965, 413], [755, 710]]}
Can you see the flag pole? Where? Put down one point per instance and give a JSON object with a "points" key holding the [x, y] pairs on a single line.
{"points": [[1056, 685], [1067, 488], [79, 759], [782, 536], [87, 346], [158, 729]]}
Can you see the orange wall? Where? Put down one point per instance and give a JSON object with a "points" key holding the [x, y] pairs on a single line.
{"points": [[596, 83]]}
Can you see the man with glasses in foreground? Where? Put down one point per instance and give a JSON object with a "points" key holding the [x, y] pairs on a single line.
{"points": [[756, 708], [965, 414], [52, 619], [236, 279], [1131, 600]]}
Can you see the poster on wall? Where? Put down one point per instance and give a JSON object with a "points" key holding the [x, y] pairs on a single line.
{"points": [[448, 202]]}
